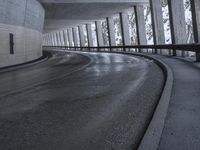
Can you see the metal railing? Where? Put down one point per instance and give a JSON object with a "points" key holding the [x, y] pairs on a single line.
{"points": [[171, 49]]}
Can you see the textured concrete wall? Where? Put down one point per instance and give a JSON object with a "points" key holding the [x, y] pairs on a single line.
{"points": [[24, 19], [27, 45]]}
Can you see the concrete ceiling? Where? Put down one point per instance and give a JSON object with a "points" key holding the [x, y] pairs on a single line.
{"points": [[68, 13]]}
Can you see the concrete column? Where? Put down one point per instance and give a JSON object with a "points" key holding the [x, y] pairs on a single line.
{"points": [[70, 37], [49, 36], [52, 39], [81, 36], [89, 33], [62, 37], [195, 7], [177, 23], [126, 40], [157, 23], [140, 25], [75, 36], [57, 38], [66, 38], [111, 33], [99, 33], [47, 42]]}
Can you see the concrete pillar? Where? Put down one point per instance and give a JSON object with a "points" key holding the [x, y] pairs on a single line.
{"points": [[63, 37], [66, 38], [111, 33], [70, 37], [195, 8], [75, 37], [47, 39], [89, 34], [57, 39], [140, 25], [125, 29], [81, 36], [177, 23], [157, 23], [52, 39], [99, 33]]}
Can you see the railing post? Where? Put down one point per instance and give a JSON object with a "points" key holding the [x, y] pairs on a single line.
{"points": [[75, 36]]}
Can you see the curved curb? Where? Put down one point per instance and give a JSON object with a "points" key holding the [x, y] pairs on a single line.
{"points": [[24, 65], [152, 136]]}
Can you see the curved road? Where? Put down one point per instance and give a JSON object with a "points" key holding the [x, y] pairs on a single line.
{"points": [[85, 101]]}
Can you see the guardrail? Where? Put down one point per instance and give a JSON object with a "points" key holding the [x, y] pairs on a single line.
{"points": [[171, 48]]}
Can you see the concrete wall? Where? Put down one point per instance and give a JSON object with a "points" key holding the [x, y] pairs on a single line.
{"points": [[25, 20]]}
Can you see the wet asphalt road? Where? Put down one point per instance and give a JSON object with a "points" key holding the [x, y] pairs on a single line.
{"points": [[78, 102]]}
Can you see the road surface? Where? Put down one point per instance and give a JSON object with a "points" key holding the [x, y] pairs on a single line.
{"points": [[84, 101]]}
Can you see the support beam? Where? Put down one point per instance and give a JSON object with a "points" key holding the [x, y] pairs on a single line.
{"points": [[99, 33], [125, 29], [70, 37], [81, 36], [140, 25], [75, 36], [89, 34], [177, 23], [111, 33], [195, 8], [157, 23]]}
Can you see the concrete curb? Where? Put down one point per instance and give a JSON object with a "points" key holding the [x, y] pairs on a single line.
{"points": [[24, 65], [152, 136]]}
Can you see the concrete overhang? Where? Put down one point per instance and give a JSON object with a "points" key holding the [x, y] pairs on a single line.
{"points": [[69, 13]]}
